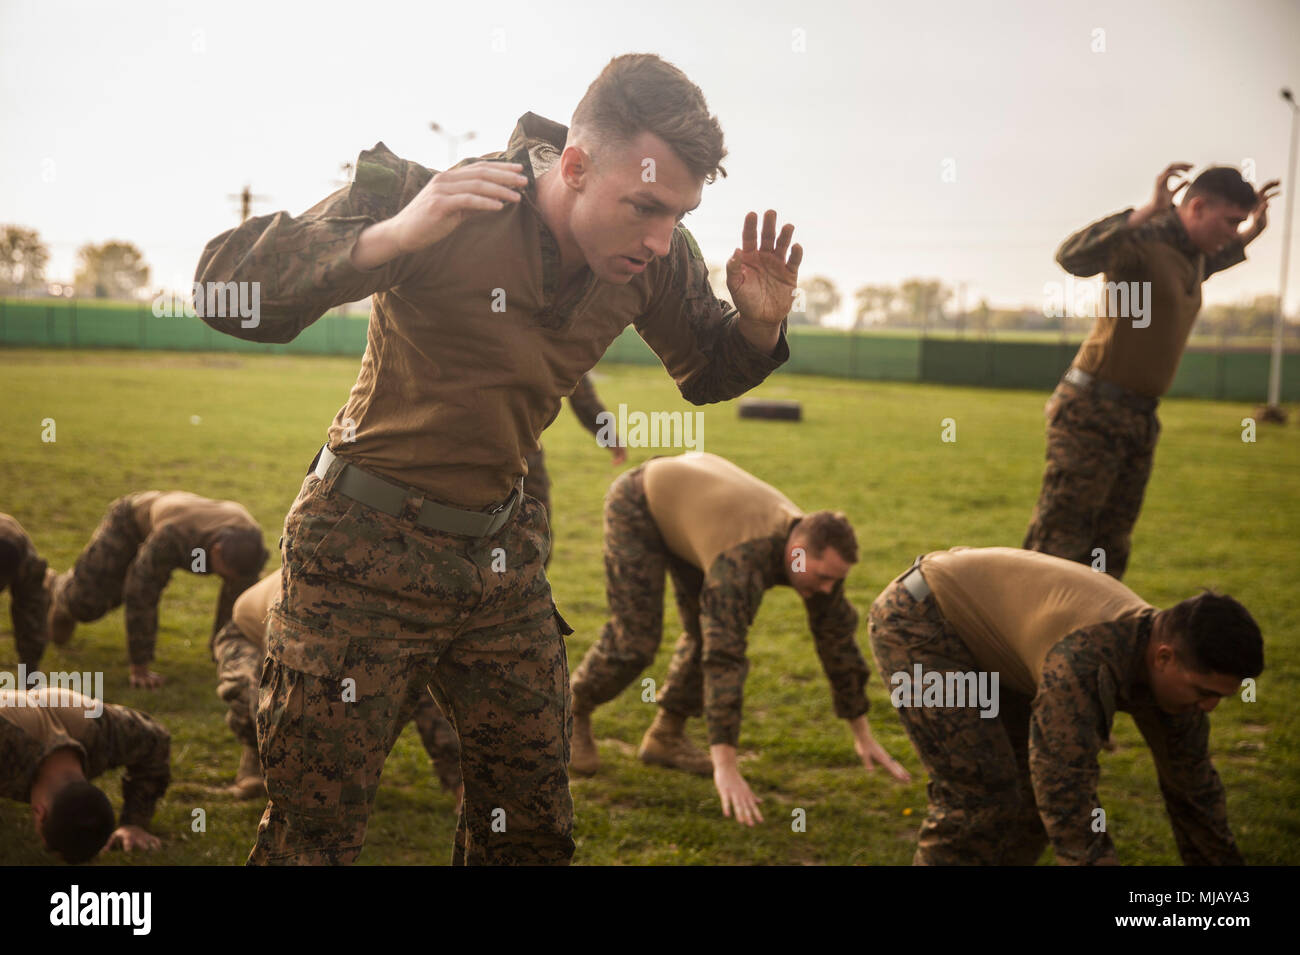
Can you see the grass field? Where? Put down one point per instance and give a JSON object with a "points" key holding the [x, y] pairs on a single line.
{"points": [[1219, 512]]}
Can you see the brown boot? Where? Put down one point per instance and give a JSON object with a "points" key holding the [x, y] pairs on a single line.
{"points": [[248, 778], [60, 621], [665, 744], [583, 758]]}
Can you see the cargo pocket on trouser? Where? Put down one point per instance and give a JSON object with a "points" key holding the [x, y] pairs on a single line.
{"points": [[303, 723]]}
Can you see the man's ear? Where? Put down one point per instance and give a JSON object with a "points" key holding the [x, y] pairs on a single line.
{"points": [[1164, 656], [39, 811], [575, 167]]}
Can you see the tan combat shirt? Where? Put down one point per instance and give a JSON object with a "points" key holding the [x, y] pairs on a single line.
{"points": [[1142, 359], [171, 524], [1010, 606], [253, 606], [472, 343], [53, 719], [733, 528], [1077, 640]]}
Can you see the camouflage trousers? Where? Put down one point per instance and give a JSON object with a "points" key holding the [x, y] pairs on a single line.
{"points": [[373, 604], [982, 809], [636, 563], [239, 672], [537, 483], [1099, 457], [94, 585]]}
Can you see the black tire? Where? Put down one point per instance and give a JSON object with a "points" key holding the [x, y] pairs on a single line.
{"points": [[770, 409]]}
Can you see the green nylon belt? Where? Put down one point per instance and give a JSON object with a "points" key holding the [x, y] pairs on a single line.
{"points": [[366, 488]]}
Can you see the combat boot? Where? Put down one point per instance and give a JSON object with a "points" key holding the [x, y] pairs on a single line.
{"points": [[583, 758], [665, 744], [248, 778], [61, 623]]}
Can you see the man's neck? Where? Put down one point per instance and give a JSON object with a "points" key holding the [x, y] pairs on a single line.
{"points": [[554, 202], [61, 767]]}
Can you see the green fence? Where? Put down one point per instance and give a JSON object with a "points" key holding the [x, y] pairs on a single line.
{"points": [[1223, 373]]}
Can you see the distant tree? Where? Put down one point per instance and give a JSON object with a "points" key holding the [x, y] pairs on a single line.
{"points": [[111, 270], [923, 300], [23, 257], [821, 298], [875, 305]]}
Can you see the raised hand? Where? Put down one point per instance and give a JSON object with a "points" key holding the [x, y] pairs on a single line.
{"points": [[1164, 195], [439, 208], [760, 275], [1259, 215]]}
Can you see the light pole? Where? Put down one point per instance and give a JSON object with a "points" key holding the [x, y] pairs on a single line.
{"points": [[453, 141], [1274, 410]]}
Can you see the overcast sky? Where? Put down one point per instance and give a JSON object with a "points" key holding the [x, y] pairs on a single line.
{"points": [[137, 121]]}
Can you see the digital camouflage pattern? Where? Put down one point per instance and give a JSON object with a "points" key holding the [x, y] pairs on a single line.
{"points": [[119, 568], [385, 604], [1099, 458], [1001, 788], [29, 592], [709, 664], [119, 736], [239, 672]]}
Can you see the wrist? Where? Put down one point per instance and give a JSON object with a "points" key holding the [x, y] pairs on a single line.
{"points": [[376, 245], [764, 336]]}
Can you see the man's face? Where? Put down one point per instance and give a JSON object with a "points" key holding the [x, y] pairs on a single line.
{"points": [[1178, 689], [810, 575], [1212, 223], [628, 201]]}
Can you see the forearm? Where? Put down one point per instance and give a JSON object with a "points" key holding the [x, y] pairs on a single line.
{"points": [[1144, 214], [376, 246], [141, 632]]}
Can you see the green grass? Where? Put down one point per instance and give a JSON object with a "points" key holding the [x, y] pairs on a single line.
{"points": [[1219, 512]]}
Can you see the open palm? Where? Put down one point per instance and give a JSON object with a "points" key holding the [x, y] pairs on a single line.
{"points": [[760, 276]]}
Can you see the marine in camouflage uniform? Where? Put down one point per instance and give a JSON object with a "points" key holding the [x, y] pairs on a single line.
{"points": [[450, 398], [239, 650], [1002, 788], [28, 579], [586, 404], [1101, 419], [55, 719], [141, 541], [722, 536]]}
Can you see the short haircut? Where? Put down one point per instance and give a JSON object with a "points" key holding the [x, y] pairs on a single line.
{"points": [[1223, 183], [822, 529], [639, 92], [79, 822], [1213, 633], [242, 550]]}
